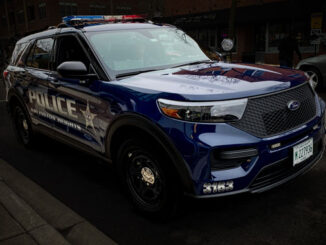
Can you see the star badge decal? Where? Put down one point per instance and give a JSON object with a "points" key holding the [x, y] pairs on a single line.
{"points": [[89, 117]]}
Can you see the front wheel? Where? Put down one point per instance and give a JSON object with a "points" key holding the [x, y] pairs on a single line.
{"points": [[149, 178]]}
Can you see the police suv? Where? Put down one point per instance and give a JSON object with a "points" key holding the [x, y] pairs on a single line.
{"points": [[145, 97]]}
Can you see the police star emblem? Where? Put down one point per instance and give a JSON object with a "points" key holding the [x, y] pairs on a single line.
{"points": [[89, 117]]}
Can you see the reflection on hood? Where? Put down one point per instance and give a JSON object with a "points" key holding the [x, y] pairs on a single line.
{"points": [[249, 73]]}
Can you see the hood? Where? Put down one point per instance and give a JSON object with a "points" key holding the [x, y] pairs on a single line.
{"points": [[215, 81]]}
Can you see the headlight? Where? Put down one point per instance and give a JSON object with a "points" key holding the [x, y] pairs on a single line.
{"points": [[219, 111]]}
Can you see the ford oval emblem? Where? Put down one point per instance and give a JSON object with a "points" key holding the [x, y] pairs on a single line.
{"points": [[293, 105]]}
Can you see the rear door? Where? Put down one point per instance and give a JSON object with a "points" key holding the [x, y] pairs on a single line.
{"points": [[36, 81]]}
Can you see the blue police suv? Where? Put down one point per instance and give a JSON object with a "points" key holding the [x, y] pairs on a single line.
{"points": [[145, 97]]}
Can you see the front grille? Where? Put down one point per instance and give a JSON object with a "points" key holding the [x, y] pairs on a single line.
{"points": [[284, 169], [268, 115]]}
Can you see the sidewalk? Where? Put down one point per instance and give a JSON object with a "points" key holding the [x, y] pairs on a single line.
{"points": [[29, 215]]}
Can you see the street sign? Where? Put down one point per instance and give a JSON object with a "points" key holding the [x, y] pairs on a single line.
{"points": [[315, 34], [316, 20], [315, 42]]}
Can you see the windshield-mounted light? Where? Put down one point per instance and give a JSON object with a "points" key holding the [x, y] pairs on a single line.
{"points": [[216, 111]]}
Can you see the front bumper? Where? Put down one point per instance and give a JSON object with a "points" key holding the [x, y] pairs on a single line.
{"points": [[272, 175], [269, 168]]}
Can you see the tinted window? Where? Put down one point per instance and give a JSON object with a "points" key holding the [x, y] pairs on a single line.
{"points": [[71, 50], [40, 54], [17, 53]]}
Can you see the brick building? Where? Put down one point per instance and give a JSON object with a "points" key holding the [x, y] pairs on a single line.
{"points": [[259, 24], [21, 17]]}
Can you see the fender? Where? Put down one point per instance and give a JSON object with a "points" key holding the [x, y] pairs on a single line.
{"points": [[135, 120]]}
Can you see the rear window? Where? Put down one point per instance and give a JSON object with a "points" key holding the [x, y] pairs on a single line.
{"points": [[40, 54], [17, 53]]}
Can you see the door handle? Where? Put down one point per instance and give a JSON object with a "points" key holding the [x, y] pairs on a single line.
{"points": [[55, 82]]}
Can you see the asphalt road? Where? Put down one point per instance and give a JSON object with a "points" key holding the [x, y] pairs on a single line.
{"points": [[294, 213]]}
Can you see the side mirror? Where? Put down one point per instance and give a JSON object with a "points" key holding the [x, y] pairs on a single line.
{"points": [[220, 55], [73, 69]]}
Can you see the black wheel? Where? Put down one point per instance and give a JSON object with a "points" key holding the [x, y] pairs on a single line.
{"points": [[22, 125], [149, 178], [316, 77]]}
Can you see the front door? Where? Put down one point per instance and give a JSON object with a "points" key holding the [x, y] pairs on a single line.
{"points": [[80, 111]]}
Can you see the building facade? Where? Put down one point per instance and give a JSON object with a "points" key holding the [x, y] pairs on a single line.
{"points": [[260, 25]]}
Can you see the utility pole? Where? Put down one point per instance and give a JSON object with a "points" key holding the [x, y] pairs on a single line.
{"points": [[111, 7], [232, 19], [232, 25], [7, 17], [25, 16]]}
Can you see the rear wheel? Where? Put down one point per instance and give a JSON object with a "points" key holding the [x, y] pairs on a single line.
{"points": [[22, 125], [149, 178]]}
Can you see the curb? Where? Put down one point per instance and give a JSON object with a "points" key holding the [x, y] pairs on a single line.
{"points": [[41, 216]]}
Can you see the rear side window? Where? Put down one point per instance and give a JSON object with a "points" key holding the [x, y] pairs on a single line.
{"points": [[17, 53], [39, 56]]}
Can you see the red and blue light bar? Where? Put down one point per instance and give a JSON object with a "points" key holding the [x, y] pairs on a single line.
{"points": [[97, 19]]}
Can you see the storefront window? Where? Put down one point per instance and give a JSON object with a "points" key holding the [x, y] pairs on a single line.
{"points": [[300, 30], [260, 38], [211, 38]]}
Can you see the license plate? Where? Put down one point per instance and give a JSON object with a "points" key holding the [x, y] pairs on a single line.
{"points": [[302, 151]]}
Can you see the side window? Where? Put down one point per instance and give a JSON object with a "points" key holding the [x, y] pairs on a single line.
{"points": [[39, 56], [17, 53], [69, 49]]}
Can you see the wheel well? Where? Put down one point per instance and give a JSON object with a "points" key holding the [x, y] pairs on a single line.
{"points": [[16, 100], [125, 132], [154, 136], [13, 101], [306, 67]]}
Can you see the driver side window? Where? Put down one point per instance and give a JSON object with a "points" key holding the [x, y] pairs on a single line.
{"points": [[69, 49]]}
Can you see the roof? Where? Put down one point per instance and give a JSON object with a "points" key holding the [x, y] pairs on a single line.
{"points": [[119, 26], [93, 28], [46, 34]]}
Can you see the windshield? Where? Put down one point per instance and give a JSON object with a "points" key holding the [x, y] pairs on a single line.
{"points": [[127, 51]]}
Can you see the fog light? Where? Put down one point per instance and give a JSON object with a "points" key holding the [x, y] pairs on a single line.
{"points": [[277, 145]]}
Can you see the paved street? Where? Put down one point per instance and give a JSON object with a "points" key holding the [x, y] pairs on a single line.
{"points": [[291, 214]]}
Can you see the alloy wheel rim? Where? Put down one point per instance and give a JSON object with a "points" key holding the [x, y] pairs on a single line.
{"points": [[314, 78], [144, 179], [22, 125]]}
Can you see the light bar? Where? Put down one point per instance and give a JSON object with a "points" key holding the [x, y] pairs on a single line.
{"points": [[70, 20]]}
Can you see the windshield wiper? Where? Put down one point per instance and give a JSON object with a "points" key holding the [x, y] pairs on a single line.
{"points": [[194, 63], [133, 73]]}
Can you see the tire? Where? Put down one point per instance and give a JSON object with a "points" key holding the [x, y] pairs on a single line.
{"points": [[22, 126], [316, 76], [149, 178]]}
